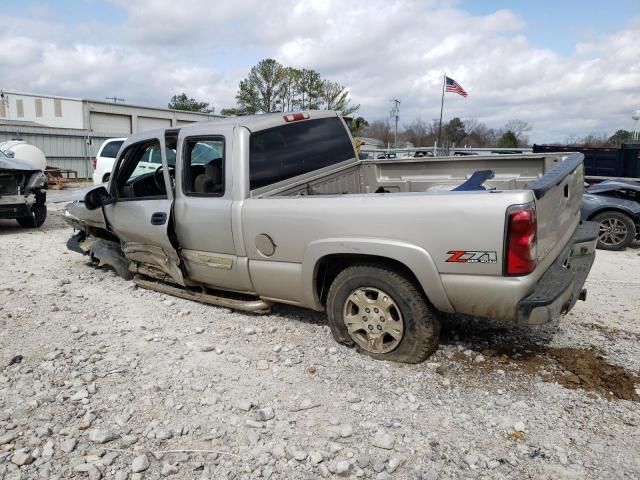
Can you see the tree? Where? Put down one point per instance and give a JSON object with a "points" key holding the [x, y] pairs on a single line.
{"points": [[271, 87], [231, 112], [620, 137], [420, 133], [454, 131], [261, 91], [519, 128], [381, 130], [336, 97], [183, 102], [508, 140], [357, 126]]}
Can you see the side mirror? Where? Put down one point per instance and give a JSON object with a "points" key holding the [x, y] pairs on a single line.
{"points": [[96, 198]]}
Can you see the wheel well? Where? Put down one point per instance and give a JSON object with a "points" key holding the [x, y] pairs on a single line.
{"points": [[330, 266]]}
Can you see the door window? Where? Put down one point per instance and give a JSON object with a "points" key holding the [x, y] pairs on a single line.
{"points": [[140, 174], [204, 166]]}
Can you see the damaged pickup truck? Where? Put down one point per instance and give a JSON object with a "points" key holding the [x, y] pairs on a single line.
{"points": [[247, 211], [23, 192]]}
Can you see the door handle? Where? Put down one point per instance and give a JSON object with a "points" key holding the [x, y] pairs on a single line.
{"points": [[159, 218]]}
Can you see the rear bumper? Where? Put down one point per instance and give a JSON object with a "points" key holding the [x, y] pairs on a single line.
{"points": [[562, 284]]}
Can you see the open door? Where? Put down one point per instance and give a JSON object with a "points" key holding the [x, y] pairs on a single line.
{"points": [[141, 212]]}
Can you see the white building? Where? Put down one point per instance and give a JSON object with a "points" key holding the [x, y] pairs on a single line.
{"points": [[102, 117]]}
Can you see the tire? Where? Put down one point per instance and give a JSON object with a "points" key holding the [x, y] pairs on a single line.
{"points": [[617, 230], [410, 314], [37, 217]]}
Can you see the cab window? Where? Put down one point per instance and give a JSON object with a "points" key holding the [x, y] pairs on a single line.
{"points": [[204, 166]]}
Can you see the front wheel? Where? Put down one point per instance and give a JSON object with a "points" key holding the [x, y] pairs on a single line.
{"points": [[37, 216], [382, 313], [617, 230]]}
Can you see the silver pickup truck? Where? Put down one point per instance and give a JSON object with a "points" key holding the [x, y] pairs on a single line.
{"points": [[247, 211]]}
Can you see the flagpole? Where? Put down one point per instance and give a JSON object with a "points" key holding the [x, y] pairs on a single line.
{"points": [[444, 80]]}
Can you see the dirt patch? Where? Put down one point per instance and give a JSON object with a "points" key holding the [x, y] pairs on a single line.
{"points": [[575, 368], [591, 371]]}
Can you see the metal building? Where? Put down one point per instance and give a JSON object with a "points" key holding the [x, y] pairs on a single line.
{"points": [[70, 130]]}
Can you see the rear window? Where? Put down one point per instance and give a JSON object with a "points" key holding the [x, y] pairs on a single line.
{"points": [[287, 151], [110, 150]]}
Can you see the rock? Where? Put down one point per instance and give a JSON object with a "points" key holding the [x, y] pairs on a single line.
{"points": [[74, 329], [207, 347], [324, 471], [244, 405], [471, 460], [168, 303], [79, 395], [8, 438], [383, 440], [47, 450], [492, 464], [519, 427], [278, 451], [198, 331], [315, 457], [91, 470], [342, 468], [346, 430], [299, 455], [21, 457], [68, 445], [249, 331], [98, 435], [264, 414], [333, 350], [393, 464], [479, 358], [262, 365], [140, 463], [277, 348], [363, 461], [168, 469]]}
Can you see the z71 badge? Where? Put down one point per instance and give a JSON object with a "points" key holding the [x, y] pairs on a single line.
{"points": [[472, 256]]}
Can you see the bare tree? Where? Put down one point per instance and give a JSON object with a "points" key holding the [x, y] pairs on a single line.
{"points": [[519, 129], [381, 130], [419, 133]]}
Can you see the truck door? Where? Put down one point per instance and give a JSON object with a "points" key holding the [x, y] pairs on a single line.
{"points": [[203, 210], [141, 215]]}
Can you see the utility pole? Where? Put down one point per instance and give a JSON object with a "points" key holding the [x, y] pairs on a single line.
{"points": [[395, 113], [115, 99]]}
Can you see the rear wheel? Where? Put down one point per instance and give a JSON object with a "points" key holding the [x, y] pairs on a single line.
{"points": [[37, 216], [382, 313], [617, 230]]}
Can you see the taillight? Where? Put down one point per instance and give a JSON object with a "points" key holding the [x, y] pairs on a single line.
{"points": [[520, 256], [95, 163]]}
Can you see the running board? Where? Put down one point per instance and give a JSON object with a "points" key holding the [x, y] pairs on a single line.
{"points": [[256, 305]]}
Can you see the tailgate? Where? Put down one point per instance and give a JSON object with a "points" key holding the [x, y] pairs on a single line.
{"points": [[558, 197]]}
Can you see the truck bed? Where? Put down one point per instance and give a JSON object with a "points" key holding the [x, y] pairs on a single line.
{"points": [[512, 172]]}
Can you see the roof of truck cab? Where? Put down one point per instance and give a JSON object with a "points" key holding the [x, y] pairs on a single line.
{"points": [[254, 123]]}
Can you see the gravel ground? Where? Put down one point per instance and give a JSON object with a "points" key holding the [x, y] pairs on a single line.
{"points": [[99, 379]]}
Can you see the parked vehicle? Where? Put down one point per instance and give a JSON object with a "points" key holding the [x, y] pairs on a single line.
{"points": [[23, 191], [279, 208], [615, 205], [602, 163], [105, 158]]}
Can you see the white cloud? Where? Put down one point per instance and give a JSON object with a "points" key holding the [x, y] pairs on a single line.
{"points": [[378, 49]]}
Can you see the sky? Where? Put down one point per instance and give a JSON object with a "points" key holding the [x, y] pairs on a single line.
{"points": [[568, 68]]}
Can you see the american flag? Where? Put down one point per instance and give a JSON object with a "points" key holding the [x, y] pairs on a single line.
{"points": [[453, 86]]}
